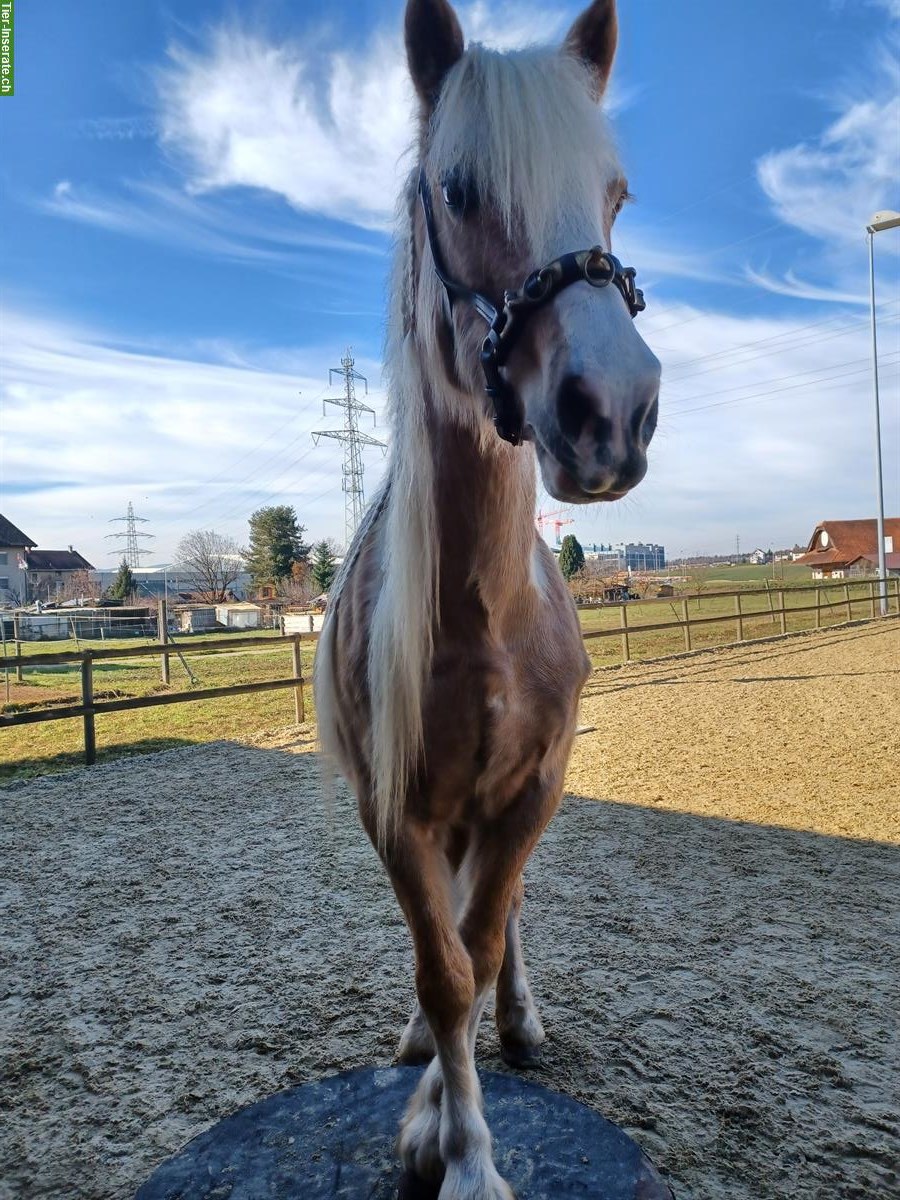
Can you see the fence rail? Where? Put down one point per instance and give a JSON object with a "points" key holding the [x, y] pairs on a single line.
{"points": [[89, 707], [625, 630]]}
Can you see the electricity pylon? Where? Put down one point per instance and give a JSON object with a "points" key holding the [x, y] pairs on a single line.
{"points": [[352, 441], [133, 548]]}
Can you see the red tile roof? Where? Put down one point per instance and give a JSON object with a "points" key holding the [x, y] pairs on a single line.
{"points": [[847, 540]]}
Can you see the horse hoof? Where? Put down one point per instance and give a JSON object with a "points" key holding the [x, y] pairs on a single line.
{"points": [[521, 1055], [414, 1187]]}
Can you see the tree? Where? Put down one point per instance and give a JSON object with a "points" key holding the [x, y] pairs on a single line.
{"points": [[323, 565], [593, 579], [210, 562], [276, 543], [571, 556], [301, 587], [79, 585], [124, 585]]}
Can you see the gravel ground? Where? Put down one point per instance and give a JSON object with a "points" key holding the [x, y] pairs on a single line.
{"points": [[186, 932]]}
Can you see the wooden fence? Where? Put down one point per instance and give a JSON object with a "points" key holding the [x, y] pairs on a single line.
{"points": [[89, 707], [626, 629]]}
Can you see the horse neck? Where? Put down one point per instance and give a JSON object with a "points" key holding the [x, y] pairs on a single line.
{"points": [[485, 501]]}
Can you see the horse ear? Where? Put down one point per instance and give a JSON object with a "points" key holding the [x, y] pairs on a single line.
{"points": [[593, 39], [434, 42]]}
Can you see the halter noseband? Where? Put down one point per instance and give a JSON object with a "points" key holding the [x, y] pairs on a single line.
{"points": [[596, 266]]}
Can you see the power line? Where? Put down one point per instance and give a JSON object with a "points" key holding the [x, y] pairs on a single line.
{"points": [[820, 383], [787, 339], [851, 362], [352, 441]]}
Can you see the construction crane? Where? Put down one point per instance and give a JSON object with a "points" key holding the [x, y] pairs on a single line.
{"points": [[557, 518]]}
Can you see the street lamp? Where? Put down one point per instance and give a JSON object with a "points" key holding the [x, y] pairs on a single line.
{"points": [[880, 222]]}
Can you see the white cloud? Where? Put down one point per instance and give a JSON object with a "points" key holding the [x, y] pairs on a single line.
{"points": [[158, 213], [88, 426], [329, 137], [781, 435], [799, 289], [765, 428], [830, 185]]}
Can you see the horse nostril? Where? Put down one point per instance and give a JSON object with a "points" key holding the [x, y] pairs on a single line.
{"points": [[645, 422]]}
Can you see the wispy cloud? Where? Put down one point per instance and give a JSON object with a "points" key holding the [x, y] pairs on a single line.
{"points": [[330, 138], [829, 186], [117, 129], [203, 225], [763, 430], [196, 443], [799, 289]]}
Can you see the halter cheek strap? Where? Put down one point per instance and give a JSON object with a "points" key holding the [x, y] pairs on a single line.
{"points": [[596, 266]]}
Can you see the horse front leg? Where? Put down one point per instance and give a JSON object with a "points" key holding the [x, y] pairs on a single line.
{"points": [[444, 1130], [518, 1024]]}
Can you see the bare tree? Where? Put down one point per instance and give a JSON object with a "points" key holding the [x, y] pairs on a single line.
{"points": [[80, 585], [210, 562], [300, 587], [597, 574]]}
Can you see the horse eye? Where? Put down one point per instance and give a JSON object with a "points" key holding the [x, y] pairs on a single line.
{"points": [[625, 198], [457, 196]]}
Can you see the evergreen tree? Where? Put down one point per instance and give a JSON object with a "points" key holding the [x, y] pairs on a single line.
{"points": [[323, 565], [124, 584], [571, 556], [276, 543]]}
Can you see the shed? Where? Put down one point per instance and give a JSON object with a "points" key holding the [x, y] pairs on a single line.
{"points": [[197, 619], [239, 616]]}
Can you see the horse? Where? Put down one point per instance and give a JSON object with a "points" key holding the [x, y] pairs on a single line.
{"points": [[450, 663]]}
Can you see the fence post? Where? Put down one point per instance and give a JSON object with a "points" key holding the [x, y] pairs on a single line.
{"points": [[626, 650], [740, 619], [771, 605], [783, 613], [299, 706], [87, 701], [16, 642], [686, 619], [872, 596], [162, 630], [847, 598], [818, 608]]}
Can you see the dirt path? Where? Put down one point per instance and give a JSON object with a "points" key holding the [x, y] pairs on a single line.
{"points": [[185, 932]]}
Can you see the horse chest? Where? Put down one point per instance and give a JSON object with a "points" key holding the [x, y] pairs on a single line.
{"points": [[493, 715]]}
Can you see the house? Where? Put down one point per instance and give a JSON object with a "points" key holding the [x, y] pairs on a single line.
{"points": [[48, 571], [14, 544], [758, 557], [837, 545]]}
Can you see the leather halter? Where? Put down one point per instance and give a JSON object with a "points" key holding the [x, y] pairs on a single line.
{"points": [[596, 266]]}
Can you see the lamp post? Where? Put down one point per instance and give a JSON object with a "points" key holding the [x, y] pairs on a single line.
{"points": [[880, 222]]}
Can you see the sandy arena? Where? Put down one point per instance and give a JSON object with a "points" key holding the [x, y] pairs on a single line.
{"points": [[712, 926]]}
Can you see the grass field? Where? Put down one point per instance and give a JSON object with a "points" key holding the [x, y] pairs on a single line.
{"points": [[37, 749]]}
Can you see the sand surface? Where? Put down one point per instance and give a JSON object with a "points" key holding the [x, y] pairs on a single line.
{"points": [[711, 924]]}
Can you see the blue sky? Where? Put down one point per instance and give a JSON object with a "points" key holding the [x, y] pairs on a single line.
{"points": [[197, 203]]}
